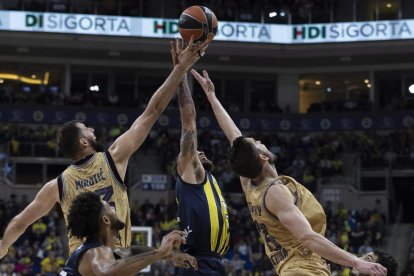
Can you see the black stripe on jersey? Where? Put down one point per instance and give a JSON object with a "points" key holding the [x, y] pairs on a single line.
{"points": [[60, 186], [113, 168]]}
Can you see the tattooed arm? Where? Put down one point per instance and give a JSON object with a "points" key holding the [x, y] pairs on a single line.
{"points": [[189, 167], [101, 261]]}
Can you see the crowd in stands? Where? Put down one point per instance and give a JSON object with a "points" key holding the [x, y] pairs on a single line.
{"points": [[306, 157], [41, 252]]}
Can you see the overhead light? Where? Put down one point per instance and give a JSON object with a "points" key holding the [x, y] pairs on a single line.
{"points": [[369, 85], [94, 88], [1, 81], [282, 13], [318, 82], [33, 76], [24, 79], [272, 14], [329, 90], [366, 80], [411, 88], [389, 5]]}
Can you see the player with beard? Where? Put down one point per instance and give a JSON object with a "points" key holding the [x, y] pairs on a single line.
{"points": [[290, 221], [101, 172], [202, 210], [95, 221]]}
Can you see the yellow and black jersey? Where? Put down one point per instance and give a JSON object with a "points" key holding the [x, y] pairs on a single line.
{"points": [[281, 246], [203, 216], [96, 173]]}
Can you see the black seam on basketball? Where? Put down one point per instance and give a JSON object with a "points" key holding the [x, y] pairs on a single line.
{"points": [[204, 12], [189, 15], [209, 19]]}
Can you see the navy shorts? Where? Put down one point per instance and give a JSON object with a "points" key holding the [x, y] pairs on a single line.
{"points": [[207, 265]]}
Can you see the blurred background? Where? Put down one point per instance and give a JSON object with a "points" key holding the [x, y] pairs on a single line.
{"points": [[340, 116]]}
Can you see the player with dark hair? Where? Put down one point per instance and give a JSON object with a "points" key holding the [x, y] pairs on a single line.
{"points": [[381, 257], [101, 172], [95, 221], [290, 220], [201, 206]]}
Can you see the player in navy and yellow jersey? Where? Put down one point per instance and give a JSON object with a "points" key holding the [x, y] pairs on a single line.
{"points": [[289, 219], [201, 206], [101, 172]]}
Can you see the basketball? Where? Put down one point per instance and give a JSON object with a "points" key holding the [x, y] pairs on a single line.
{"points": [[198, 21]]}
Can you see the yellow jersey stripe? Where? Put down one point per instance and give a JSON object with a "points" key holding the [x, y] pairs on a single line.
{"points": [[226, 245], [213, 215], [224, 233]]}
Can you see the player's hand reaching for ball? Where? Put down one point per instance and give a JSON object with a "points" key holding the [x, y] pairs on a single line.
{"points": [[205, 82], [170, 241], [187, 56], [368, 268]]}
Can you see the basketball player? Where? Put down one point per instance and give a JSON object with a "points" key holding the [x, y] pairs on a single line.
{"points": [[381, 257], [101, 172], [201, 207], [94, 220], [290, 220]]}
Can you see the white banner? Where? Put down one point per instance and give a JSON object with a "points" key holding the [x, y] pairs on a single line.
{"points": [[227, 31]]}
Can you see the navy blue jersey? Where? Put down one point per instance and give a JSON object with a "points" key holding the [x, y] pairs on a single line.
{"points": [[203, 217], [71, 265]]}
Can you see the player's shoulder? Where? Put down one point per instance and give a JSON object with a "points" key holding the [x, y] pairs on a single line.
{"points": [[99, 252]]}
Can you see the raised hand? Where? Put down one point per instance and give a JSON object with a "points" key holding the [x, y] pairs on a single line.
{"points": [[187, 56], [205, 82]]}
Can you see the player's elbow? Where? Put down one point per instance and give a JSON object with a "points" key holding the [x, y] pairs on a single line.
{"points": [[307, 239]]}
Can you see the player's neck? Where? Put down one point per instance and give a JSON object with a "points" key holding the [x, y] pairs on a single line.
{"points": [[107, 238], [269, 171], [84, 153]]}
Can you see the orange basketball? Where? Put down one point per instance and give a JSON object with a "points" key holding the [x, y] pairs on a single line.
{"points": [[198, 21]]}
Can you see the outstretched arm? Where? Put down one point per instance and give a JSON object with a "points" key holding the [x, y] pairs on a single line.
{"points": [[223, 118], [39, 207], [226, 123], [102, 262], [132, 139], [189, 167], [178, 259], [279, 201]]}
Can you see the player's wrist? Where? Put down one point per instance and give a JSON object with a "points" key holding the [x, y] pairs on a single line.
{"points": [[181, 68], [162, 254]]}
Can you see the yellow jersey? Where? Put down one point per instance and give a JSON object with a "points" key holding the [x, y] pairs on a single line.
{"points": [[280, 244], [96, 173]]}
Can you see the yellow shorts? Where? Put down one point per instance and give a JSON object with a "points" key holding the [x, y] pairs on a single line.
{"points": [[305, 267]]}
